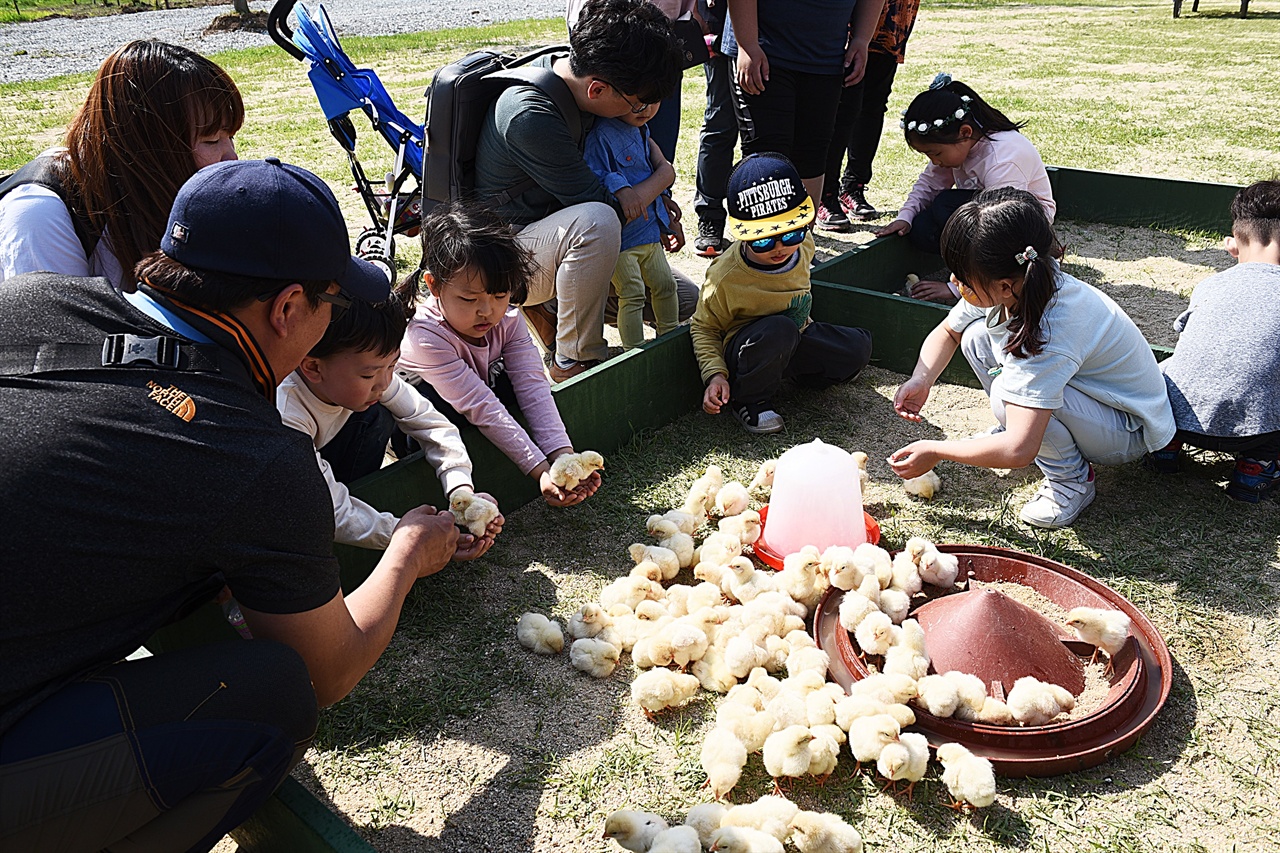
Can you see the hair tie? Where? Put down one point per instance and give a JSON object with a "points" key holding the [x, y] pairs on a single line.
{"points": [[942, 80], [1026, 257]]}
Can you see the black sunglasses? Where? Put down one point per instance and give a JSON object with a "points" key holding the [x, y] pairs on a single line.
{"points": [[791, 238], [340, 301]]}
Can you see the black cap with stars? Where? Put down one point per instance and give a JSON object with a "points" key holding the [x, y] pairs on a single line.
{"points": [[766, 197]]}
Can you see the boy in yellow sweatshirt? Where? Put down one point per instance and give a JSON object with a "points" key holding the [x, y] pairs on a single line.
{"points": [[752, 327]]}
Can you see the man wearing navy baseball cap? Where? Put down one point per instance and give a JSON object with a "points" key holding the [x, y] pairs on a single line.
{"points": [[145, 471]]}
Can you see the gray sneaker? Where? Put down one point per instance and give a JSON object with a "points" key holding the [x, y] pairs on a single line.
{"points": [[756, 419], [1059, 503]]}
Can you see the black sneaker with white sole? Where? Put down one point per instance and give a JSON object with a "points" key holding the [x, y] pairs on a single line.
{"points": [[756, 418]]}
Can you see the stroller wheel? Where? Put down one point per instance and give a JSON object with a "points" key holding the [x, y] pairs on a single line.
{"points": [[387, 265], [372, 243]]}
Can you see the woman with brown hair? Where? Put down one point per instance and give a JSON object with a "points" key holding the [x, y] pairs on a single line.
{"points": [[156, 113]]}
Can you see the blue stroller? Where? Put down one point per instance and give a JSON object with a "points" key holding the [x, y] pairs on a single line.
{"points": [[395, 207]]}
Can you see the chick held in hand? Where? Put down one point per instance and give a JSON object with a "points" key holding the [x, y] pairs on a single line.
{"points": [[471, 511], [539, 634], [596, 658], [634, 830], [1105, 630], [570, 469], [970, 778]]}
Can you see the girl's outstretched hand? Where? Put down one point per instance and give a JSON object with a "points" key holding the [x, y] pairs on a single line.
{"points": [[556, 496], [914, 459], [897, 226], [910, 399]]}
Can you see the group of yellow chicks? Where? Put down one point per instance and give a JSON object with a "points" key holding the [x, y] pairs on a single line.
{"points": [[737, 627]]}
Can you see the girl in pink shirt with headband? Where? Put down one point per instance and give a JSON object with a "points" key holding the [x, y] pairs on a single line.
{"points": [[971, 147]]}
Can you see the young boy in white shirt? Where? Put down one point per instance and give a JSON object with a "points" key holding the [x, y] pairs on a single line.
{"points": [[352, 370]]}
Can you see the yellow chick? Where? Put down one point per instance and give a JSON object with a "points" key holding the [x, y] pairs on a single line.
{"points": [[764, 475], [1105, 630], [741, 839], [670, 536], [677, 839], [771, 814], [906, 566], [824, 753], [745, 583], [705, 819], [907, 759], [539, 634], [808, 659], [891, 689], [995, 713], [472, 511], [841, 570], [907, 655], [864, 479], [686, 641], [704, 595], [850, 708], [702, 494], [668, 561], [745, 526], [925, 486], [970, 778], [686, 522], [1034, 703], [659, 689], [570, 469], [588, 621], [718, 549], [895, 604], [634, 830], [939, 569], [595, 657], [732, 498], [723, 757], [937, 695], [874, 634], [630, 591], [713, 673], [786, 754], [818, 832], [868, 736], [800, 577], [647, 569], [874, 560], [971, 694]]}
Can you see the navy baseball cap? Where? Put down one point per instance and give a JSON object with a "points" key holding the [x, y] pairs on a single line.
{"points": [[267, 219], [766, 197]]}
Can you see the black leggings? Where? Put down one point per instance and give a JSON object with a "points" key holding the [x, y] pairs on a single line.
{"points": [[794, 116], [165, 753], [766, 351], [1264, 448]]}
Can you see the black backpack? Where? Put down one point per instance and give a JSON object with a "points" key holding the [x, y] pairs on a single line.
{"points": [[458, 100], [43, 171]]}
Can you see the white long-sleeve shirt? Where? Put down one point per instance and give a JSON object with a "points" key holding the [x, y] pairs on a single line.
{"points": [[1004, 159], [356, 522]]}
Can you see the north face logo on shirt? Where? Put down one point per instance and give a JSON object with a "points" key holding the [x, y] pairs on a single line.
{"points": [[173, 399]]}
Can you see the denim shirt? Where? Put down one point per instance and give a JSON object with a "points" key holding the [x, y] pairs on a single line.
{"points": [[619, 155]]}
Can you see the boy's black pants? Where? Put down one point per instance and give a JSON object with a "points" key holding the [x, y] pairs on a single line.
{"points": [[766, 351]]}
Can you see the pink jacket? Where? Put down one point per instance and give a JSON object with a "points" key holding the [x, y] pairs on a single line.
{"points": [[1004, 159], [458, 370]]}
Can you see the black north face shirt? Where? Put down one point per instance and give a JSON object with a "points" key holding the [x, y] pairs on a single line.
{"points": [[127, 494]]}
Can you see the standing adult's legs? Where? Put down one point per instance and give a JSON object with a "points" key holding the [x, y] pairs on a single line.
{"points": [[830, 215], [664, 127], [716, 143], [868, 127]]}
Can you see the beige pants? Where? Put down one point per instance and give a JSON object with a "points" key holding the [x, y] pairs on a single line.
{"points": [[576, 250]]}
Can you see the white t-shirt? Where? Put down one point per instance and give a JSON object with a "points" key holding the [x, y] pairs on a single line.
{"points": [[356, 522], [1091, 345], [37, 235]]}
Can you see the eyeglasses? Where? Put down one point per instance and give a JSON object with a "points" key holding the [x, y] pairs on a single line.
{"points": [[636, 109], [340, 301], [791, 238]]}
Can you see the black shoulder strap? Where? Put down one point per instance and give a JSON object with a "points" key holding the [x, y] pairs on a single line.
{"points": [[549, 83], [43, 171], [118, 350]]}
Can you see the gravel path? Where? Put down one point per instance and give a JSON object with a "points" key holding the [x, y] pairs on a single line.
{"points": [[49, 48]]}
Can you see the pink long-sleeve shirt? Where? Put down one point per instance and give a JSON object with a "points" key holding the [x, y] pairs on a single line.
{"points": [[458, 370], [1004, 159]]}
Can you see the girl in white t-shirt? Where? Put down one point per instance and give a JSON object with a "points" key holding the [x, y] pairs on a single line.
{"points": [[1070, 377], [971, 147]]}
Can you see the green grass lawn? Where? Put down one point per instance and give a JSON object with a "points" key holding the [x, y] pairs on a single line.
{"points": [[459, 740]]}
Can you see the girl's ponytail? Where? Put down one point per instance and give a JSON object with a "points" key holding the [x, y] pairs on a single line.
{"points": [[937, 114], [1004, 234]]}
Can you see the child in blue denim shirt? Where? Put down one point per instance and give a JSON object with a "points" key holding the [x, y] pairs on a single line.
{"points": [[622, 154]]}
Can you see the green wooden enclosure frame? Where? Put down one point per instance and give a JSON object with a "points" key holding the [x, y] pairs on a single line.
{"points": [[642, 390]]}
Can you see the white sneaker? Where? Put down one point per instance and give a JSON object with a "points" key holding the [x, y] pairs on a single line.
{"points": [[1059, 503]]}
